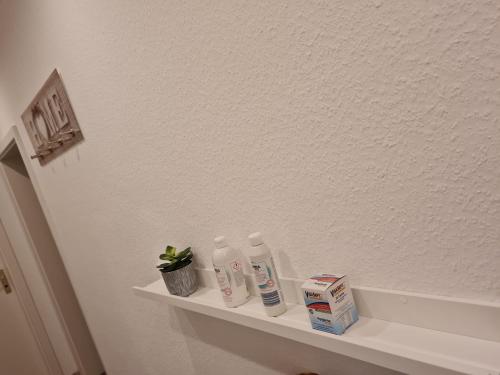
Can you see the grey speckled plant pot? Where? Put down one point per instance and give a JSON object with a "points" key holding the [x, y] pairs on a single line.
{"points": [[181, 282]]}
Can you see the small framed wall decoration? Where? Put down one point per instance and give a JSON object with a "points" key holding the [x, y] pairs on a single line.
{"points": [[50, 121]]}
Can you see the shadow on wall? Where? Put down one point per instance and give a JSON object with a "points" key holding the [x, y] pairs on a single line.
{"points": [[239, 350]]}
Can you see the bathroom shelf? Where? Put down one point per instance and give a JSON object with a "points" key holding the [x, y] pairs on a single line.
{"points": [[401, 347]]}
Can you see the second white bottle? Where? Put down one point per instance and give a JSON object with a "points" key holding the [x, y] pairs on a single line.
{"points": [[229, 272], [266, 276]]}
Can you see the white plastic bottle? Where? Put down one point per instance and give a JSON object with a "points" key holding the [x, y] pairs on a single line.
{"points": [[229, 272], [266, 277]]}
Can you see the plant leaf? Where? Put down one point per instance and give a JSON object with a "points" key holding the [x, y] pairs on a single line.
{"points": [[187, 257], [170, 251], [166, 257], [183, 253], [172, 267]]}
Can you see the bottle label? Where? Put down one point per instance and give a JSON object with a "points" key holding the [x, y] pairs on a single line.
{"points": [[271, 298], [265, 277], [223, 279], [230, 275], [237, 272]]}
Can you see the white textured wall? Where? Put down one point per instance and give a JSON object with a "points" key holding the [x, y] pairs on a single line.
{"points": [[359, 137]]}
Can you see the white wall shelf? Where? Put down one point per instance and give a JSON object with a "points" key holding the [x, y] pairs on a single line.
{"points": [[401, 347]]}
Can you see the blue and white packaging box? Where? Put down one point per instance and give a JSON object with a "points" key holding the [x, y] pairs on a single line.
{"points": [[330, 304]]}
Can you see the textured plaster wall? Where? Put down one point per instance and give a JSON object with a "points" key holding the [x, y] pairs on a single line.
{"points": [[359, 137]]}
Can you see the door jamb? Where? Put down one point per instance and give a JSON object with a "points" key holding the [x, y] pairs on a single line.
{"points": [[23, 293], [12, 138]]}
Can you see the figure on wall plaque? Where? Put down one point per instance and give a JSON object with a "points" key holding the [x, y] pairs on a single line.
{"points": [[50, 121]]}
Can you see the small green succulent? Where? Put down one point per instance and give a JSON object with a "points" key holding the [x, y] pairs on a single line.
{"points": [[174, 260]]}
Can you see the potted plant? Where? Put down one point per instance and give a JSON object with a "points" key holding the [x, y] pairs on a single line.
{"points": [[178, 271]]}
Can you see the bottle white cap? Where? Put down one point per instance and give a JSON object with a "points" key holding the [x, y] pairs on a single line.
{"points": [[255, 239], [220, 242]]}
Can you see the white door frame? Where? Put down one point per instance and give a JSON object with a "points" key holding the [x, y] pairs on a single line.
{"points": [[56, 344], [28, 306]]}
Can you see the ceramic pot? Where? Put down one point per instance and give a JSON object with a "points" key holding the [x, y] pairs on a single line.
{"points": [[181, 282]]}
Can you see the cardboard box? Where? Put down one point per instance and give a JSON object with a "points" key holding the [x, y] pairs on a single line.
{"points": [[330, 304]]}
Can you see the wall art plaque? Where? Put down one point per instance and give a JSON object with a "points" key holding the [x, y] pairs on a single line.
{"points": [[50, 121]]}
